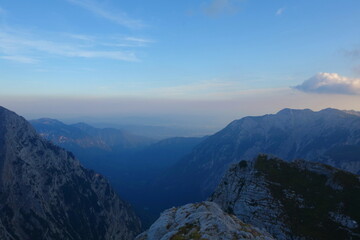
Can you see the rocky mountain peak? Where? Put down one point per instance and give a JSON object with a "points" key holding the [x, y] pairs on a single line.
{"points": [[46, 194]]}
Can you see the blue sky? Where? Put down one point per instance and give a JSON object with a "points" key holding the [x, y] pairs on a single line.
{"points": [[202, 51]]}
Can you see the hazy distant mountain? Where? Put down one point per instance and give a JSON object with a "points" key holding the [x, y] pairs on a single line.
{"points": [[46, 194], [203, 220], [85, 136], [330, 136], [298, 200]]}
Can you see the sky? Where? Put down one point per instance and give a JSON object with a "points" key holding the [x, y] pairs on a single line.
{"points": [[209, 60]]}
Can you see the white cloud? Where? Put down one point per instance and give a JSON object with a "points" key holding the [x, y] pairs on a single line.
{"points": [[117, 17], [280, 11], [220, 7], [331, 83]]}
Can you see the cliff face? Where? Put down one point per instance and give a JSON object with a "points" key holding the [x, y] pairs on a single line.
{"points": [[299, 200], [203, 220], [46, 194]]}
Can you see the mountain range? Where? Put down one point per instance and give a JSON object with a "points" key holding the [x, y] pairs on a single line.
{"points": [[177, 171], [85, 136], [45, 193], [329, 136]]}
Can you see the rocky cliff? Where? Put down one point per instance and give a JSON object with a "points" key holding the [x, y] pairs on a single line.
{"points": [[203, 220], [46, 194], [298, 200]]}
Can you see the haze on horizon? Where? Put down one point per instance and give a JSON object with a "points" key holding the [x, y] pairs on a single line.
{"points": [[177, 62]]}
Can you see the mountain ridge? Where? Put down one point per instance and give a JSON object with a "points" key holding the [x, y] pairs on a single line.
{"points": [[330, 136], [86, 136]]}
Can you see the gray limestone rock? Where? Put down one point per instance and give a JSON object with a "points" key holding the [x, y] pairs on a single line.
{"points": [[203, 220]]}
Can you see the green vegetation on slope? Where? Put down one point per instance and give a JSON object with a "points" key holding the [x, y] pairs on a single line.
{"points": [[309, 198]]}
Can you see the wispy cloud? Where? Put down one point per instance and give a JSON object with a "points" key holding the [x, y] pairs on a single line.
{"points": [[112, 40], [20, 59], [118, 17], [80, 37], [25, 47], [29, 46], [138, 40], [280, 11], [221, 7], [331, 83], [121, 41]]}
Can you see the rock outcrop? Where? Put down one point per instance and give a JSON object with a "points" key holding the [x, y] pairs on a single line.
{"points": [[298, 200], [46, 194], [203, 220]]}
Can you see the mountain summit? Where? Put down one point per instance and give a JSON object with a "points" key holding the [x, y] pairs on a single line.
{"points": [[46, 194]]}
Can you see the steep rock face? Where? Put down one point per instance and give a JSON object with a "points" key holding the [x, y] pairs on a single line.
{"points": [[298, 200], [203, 220], [46, 194], [329, 136]]}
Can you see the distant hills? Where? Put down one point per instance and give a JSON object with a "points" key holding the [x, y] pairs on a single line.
{"points": [[46, 194], [85, 136], [329, 136]]}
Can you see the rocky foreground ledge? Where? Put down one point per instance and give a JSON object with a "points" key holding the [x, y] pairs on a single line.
{"points": [[203, 220]]}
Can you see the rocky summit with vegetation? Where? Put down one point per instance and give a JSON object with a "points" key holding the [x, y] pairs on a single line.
{"points": [[201, 221], [292, 200]]}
